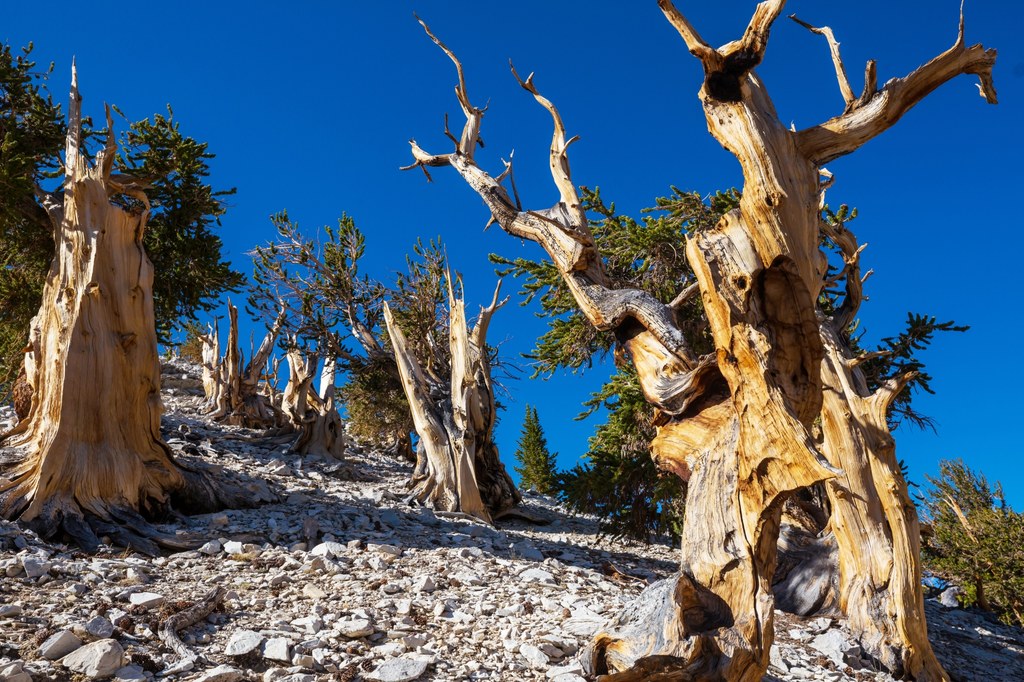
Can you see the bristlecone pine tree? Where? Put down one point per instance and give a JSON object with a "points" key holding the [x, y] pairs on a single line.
{"points": [[421, 368], [737, 421], [95, 460], [232, 386], [976, 540], [536, 463], [171, 167]]}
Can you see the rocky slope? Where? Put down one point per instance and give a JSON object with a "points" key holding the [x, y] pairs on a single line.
{"points": [[337, 579]]}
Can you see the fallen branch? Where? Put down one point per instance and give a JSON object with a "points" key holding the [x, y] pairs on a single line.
{"points": [[169, 629]]}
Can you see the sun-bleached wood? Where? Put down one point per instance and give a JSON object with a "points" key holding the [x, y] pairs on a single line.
{"points": [[95, 458], [313, 414], [736, 424], [458, 469], [232, 387]]}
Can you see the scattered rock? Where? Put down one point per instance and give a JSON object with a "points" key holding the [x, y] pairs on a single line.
{"points": [[59, 645], [537, 575], [277, 649], [222, 673], [534, 656], [10, 610], [14, 672], [398, 670], [35, 568], [97, 660], [243, 642], [950, 597], [99, 627], [146, 600]]}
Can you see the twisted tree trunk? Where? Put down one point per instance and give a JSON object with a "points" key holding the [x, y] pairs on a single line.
{"points": [[314, 415], [736, 422], [458, 468], [95, 459], [232, 387]]}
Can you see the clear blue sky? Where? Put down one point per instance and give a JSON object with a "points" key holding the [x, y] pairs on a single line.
{"points": [[309, 105]]}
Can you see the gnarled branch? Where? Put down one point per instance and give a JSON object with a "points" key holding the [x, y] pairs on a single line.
{"points": [[837, 60], [562, 230], [876, 113]]}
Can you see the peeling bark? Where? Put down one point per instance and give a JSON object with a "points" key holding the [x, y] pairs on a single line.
{"points": [[95, 458], [736, 423], [458, 468]]}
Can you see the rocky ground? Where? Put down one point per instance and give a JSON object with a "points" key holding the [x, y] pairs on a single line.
{"points": [[339, 580]]}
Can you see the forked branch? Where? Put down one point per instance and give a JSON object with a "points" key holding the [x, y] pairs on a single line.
{"points": [[837, 60], [470, 138], [876, 112], [749, 49], [562, 230]]}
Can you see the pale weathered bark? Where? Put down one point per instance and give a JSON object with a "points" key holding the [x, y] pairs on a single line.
{"points": [[873, 520], [321, 431], [232, 387], [95, 459], [458, 468], [735, 423]]}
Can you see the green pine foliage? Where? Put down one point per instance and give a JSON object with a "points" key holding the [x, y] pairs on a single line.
{"points": [[328, 299], [537, 467], [976, 540], [619, 482], [893, 356], [171, 168], [32, 131], [185, 210]]}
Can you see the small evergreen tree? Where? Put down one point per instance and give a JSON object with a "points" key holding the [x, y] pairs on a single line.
{"points": [[976, 540], [619, 482], [537, 463]]}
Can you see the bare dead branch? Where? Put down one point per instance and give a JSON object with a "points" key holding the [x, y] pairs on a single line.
{"points": [[870, 84], [755, 38], [683, 296], [558, 158], [882, 398], [845, 133], [709, 56], [837, 60], [562, 230]]}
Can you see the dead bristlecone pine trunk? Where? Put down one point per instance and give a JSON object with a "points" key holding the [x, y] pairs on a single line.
{"points": [[737, 423], [458, 468], [232, 388], [95, 462], [314, 415]]}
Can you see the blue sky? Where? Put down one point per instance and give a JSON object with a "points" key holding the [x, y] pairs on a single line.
{"points": [[309, 106]]}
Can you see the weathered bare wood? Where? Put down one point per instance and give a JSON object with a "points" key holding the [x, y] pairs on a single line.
{"points": [[233, 387], [169, 629], [95, 459], [314, 414], [837, 60], [878, 112], [737, 424], [458, 468]]}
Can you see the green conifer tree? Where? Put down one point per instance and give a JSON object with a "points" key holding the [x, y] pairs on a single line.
{"points": [[976, 540], [537, 463]]}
